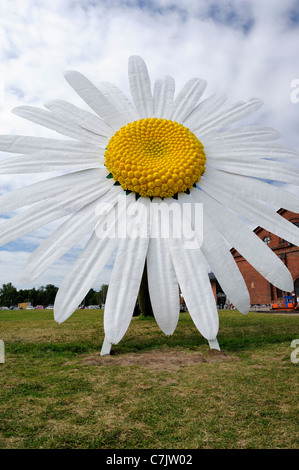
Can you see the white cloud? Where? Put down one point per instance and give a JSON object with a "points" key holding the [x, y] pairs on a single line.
{"points": [[243, 48]]}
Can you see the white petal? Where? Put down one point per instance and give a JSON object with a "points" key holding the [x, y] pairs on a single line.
{"points": [[195, 285], [59, 242], [86, 269], [214, 344], [66, 236], [244, 151], [140, 86], [45, 161], [119, 101], [96, 99], [106, 347], [163, 97], [196, 289], [26, 144], [244, 134], [256, 188], [224, 267], [51, 209], [80, 117], [220, 260], [45, 189], [59, 124], [187, 99], [162, 281], [204, 109], [252, 210], [268, 169], [125, 282], [251, 247], [227, 116]]}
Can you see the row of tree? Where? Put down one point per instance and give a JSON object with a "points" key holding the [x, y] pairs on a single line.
{"points": [[10, 296]]}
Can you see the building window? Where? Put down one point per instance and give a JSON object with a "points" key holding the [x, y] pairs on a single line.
{"points": [[279, 293], [272, 292], [266, 240]]}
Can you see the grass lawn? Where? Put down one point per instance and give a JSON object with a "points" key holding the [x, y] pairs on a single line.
{"points": [[154, 392]]}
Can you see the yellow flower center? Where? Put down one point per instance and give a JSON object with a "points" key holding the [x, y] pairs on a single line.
{"points": [[155, 157]]}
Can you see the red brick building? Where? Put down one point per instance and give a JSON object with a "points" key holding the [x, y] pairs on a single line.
{"points": [[260, 290]]}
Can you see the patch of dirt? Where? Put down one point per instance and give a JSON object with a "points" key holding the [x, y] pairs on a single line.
{"points": [[159, 359]]}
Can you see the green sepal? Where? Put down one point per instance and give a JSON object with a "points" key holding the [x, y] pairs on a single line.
{"points": [[187, 191], [128, 192], [116, 183], [110, 176], [137, 196], [175, 196]]}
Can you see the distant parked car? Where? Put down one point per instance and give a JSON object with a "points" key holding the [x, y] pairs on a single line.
{"points": [[50, 307], [4, 308], [29, 308], [39, 307]]}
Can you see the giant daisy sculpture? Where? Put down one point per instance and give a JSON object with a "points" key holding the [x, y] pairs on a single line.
{"points": [[128, 157]]}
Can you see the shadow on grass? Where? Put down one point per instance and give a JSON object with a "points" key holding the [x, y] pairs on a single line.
{"points": [[238, 344], [139, 344], [242, 344], [237, 333], [50, 349]]}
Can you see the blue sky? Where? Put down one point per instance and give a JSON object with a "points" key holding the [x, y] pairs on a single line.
{"points": [[242, 48]]}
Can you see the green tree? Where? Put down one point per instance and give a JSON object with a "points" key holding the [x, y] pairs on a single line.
{"points": [[33, 296], [102, 294], [49, 294], [8, 295], [91, 297], [40, 296]]}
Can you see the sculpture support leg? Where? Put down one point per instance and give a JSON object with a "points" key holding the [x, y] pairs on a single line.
{"points": [[144, 300], [106, 347], [214, 344]]}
